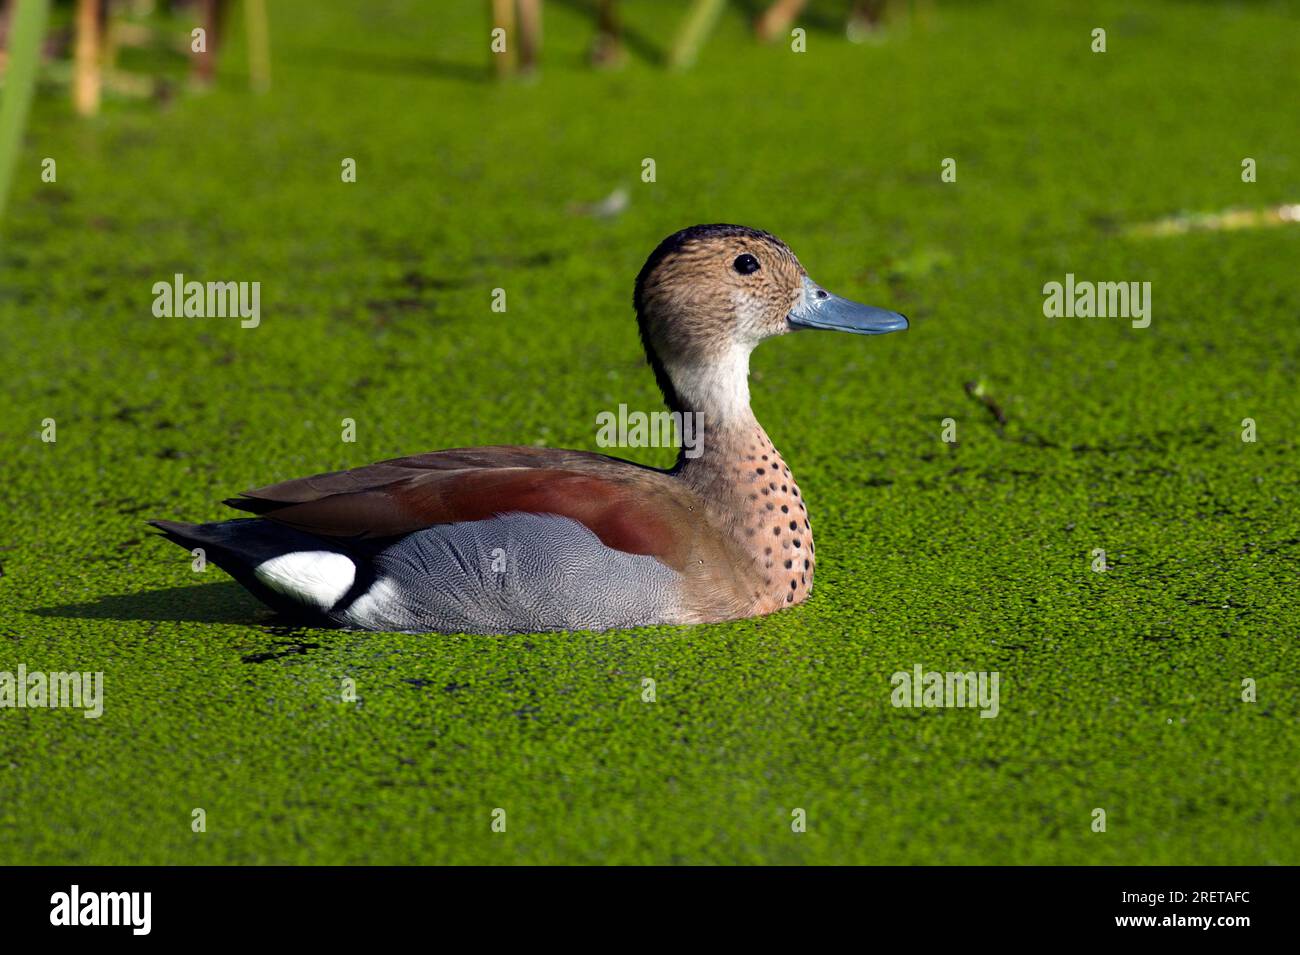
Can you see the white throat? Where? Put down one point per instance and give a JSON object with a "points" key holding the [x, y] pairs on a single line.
{"points": [[719, 388]]}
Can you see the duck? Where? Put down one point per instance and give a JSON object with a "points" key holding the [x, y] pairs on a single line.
{"points": [[522, 539]]}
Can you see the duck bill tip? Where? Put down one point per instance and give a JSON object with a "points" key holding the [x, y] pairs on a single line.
{"points": [[819, 309]]}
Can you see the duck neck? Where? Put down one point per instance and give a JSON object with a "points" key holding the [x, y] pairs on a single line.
{"points": [[749, 489]]}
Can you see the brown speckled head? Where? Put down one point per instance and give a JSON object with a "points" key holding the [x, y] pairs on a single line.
{"points": [[709, 294], [711, 286], [704, 299]]}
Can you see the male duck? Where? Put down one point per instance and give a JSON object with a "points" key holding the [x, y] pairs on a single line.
{"points": [[522, 539]]}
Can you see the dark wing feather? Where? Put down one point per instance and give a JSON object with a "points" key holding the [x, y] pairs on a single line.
{"points": [[630, 508]]}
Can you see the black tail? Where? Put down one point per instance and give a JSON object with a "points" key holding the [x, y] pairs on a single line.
{"points": [[238, 546]]}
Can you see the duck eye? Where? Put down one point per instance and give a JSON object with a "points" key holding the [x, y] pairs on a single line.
{"points": [[745, 264]]}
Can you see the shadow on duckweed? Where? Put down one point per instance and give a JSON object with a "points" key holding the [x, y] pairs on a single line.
{"points": [[282, 648], [224, 602], [221, 603]]}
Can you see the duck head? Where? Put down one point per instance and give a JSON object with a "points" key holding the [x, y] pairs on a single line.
{"points": [[709, 294]]}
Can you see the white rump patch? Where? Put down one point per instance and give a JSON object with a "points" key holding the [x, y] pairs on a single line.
{"points": [[314, 578]]}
